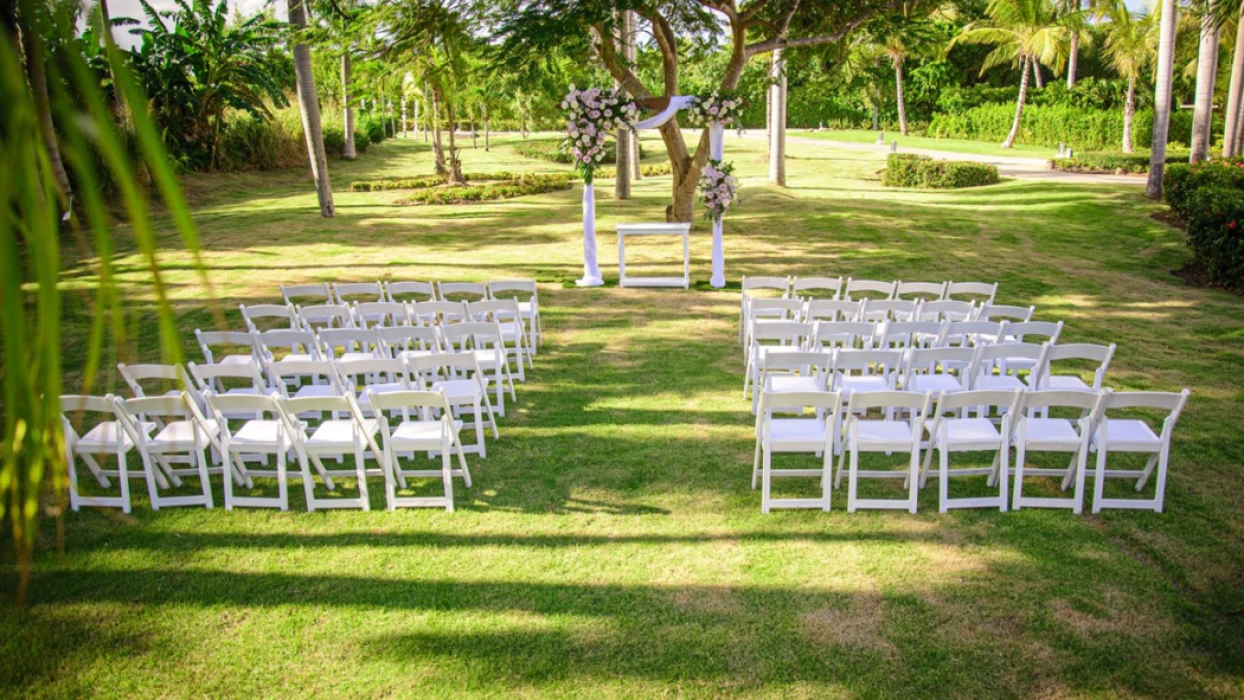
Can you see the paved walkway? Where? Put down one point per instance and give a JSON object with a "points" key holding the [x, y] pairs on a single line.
{"points": [[1008, 166]]}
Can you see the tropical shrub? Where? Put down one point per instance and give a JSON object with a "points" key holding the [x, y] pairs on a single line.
{"points": [[1081, 129], [650, 170], [1215, 217], [1181, 181], [910, 170], [551, 150], [1113, 162], [250, 142], [527, 184], [371, 126], [422, 181]]}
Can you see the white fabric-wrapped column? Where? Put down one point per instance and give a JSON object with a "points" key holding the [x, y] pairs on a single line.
{"points": [[717, 151], [591, 271]]}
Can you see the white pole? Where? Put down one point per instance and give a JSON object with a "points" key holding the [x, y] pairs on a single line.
{"points": [[591, 271], [717, 151]]}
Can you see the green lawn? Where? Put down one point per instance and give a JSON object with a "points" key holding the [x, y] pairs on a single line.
{"points": [[953, 145], [611, 545]]}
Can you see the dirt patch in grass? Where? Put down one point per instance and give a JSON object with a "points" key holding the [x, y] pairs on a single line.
{"points": [[858, 624], [1112, 612]]}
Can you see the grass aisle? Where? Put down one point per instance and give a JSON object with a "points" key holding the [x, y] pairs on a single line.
{"points": [[611, 545]]}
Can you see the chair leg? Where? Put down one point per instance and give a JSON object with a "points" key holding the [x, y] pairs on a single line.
{"points": [[123, 473], [72, 465], [1004, 454], [466, 473], [913, 476], [96, 471], [282, 481], [228, 455], [1159, 491], [943, 479], [1020, 458], [766, 479], [827, 479], [1081, 468], [447, 476], [390, 479], [853, 476], [308, 484], [1099, 478], [756, 464], [149, 469]]}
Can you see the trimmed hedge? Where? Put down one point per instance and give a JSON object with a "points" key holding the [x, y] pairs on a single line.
{"points": [[1209, 197], [422, 181], [531, 183], [1081, 129], [1181, 181], [551, 150], [910, 170], [653, 170], [1113, 162]]}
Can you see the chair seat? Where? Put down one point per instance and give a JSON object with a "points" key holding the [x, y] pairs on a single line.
{"points": [[351, 356], [236, 360], [339, 433], [382, 388], [884, 432], [180, 435], [510, 329], [411, 354], [797, 430], [458, 391], [259, 433], [785, 383], [421, 431], [526, 308], [1053, 430], [999, 382], [107, 437], [486, 358], [315, 391], [969, 430], [1131, 432], [1065, 383], [852, 384], [934, 383], [297, 357]]}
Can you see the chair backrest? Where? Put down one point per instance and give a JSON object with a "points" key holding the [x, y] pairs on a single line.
{"points": [[254, 316], [824, 404], [361, 373], [868, 362], [439, 313], [997, 312], [408, 290], [936, 361], [325, 316], [947, 310], [1089, 402], [780, 284], [223, 339], [987, 356], [988, 291], [854, 335], [795, 332], [337, 405], [888, 310], [426, 367], [909, 334], [291, 370], [929, 291], [319, 292], [409, 339], [222, 405], [1049, 331], [372, 314], [1080, 353], [831, 310], [973, 333], [956, 400], [177, 406], [1171, 402], [494, 310], [784, 308], [803, 362], [393, 400], [348, 340], [918, 401], [368, 291], [75, 403], [479, 290], [135, 375], [209, 377], [472, 334], [813, 286], [512, 289], [294, 342], [860, 289]]}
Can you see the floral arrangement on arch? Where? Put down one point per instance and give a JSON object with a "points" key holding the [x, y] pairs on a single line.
{"points": [[714, 108], [593, 114], [719, 188]]}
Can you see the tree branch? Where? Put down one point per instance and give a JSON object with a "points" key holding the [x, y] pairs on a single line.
{"points": [[668, 44], [615, 64], [781, 42]]}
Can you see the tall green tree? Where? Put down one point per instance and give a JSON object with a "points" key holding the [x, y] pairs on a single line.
{"points": [[1131, 46], [1162, 78], [309, 106]]}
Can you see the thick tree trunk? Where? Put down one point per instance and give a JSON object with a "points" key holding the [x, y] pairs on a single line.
{"points": [[36, 73], [902, 108], [1162, 99], [1239, 130], [1206, 76], [1129, 113], [622, 136], [1019, 104], [348, 151], [309, 105], [1231, 132], [777, 145], [1073, 59]]}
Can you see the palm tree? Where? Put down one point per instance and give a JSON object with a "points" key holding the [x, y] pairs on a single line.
{"points": [[1206, 78], [1025, 33], [1162, 98], [1235, 93], [1131, 43], [309, 105]]}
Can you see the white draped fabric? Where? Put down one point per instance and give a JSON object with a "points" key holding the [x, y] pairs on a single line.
{"points": [[591, 270], [717, 151]]}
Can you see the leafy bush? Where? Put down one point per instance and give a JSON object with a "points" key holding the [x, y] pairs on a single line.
{"points": [[1180, 182], [650, 170], [910, 170], [1081, 129], [1216, 233], [1113, 162], [422, 181], [526, 184], [371, 126], [256, 143], [551, 150]]}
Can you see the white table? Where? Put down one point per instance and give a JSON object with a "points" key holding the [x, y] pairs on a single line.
{"points": [[662, 229]]}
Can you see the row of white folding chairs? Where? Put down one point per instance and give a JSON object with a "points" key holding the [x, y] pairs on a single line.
{"points": [[850, 289], [820, 336], [386, 314], [910, 423], [875, 310], [175, 429]]}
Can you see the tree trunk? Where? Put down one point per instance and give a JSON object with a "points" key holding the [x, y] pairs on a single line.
{"points": [[1231, 132], [1019, 104], [777, 145], [1129, 112], [455, 165], [384, 123], [1162, 99], [1206, 76], [474, 135], [309, 105], [1036, 73], [1073, 58], [405, 126], [1239, 130], [622, 135], [36, 73], [486, 130], [438, 149], [348, 151], [902, 108], [876, 116], [118, 103]]}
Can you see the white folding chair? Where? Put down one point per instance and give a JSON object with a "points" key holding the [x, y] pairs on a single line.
{"points": [[278, 347], [184, 437], [766, 309], [93, 430], [319, 293], [427, 432], [924, 291], [800, 433], [1135, 435], [369, 377], [997, 312], [171, 380], [333, 437], [231, 380], [458, 376], [947, 310], [856, 290], [848, 335], [793, 372], [970, 334], [1076, 354], [813, 287], [831, 310], [403, 342], [352, 292], [324, 316], [259, 317], [349, 344], [1028, 332], [302, 379], [528, 308], [1007, 360], [905, 335], [408, 291], [889, 434], [751, 288], [268, 433], [877, 310], [486, 342], [463, 291], [866, 371], [985, 291], [934, 370], [767, 337], [439, 313], [226, 341], [957, 432], [507, 315], [1054, 434], [381, 314]]}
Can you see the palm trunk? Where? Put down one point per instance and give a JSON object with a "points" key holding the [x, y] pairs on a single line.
{"points": [[348, 151], [1231, 132], [1239, 131], [474, 135], [37, 75], [1073, 58], [1162, 99], [777, 132], [118, 104], [486, 130], [1129, 112], [1036, 74], [1019, 104], [309, 105], [902, 108], [1206, 76]]}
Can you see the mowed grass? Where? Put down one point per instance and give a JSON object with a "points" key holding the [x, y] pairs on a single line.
{"points": [[611, 544]]}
